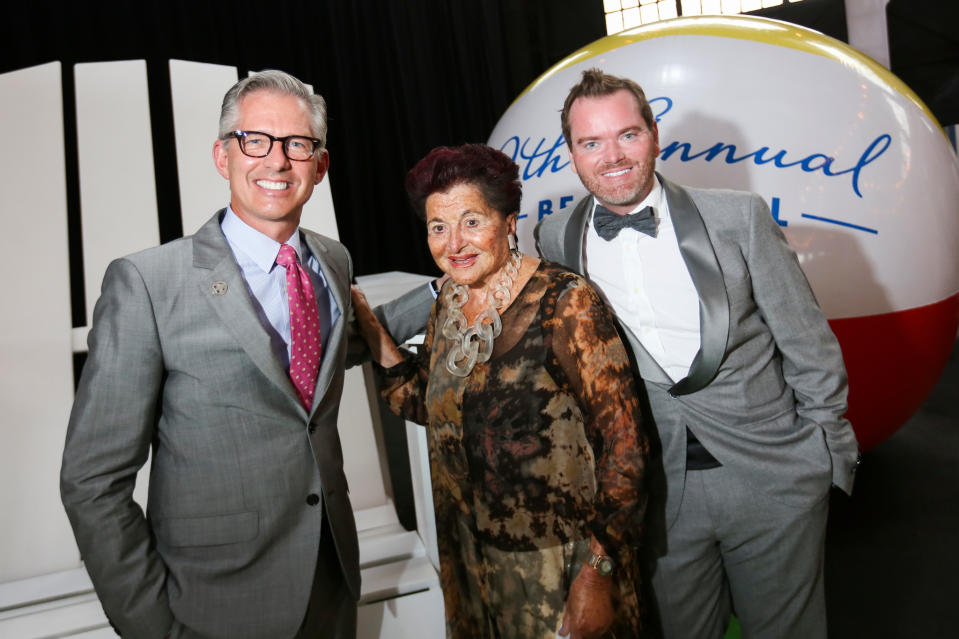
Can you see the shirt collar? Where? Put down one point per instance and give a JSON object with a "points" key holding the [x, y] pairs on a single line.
{"points": [[260, 248]]}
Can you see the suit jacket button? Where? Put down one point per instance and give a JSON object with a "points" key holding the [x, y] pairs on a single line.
{"points": [[313, 499], [312, 428]]}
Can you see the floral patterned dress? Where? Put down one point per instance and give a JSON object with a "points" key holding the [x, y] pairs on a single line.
{"points": [[530, 454]]}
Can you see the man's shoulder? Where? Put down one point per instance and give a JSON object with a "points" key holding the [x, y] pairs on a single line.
{"points": [[332, 252], [722, 207], [560, 218], [712, 195], [323, 240], [551, 229], [168, 253], [333, 249], [180, 248]]}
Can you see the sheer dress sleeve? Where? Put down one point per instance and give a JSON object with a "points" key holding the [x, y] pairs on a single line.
{"points": [[403, 386], [589, 353]]}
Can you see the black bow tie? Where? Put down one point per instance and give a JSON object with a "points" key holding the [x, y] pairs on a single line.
{"points": [[609, 224]]}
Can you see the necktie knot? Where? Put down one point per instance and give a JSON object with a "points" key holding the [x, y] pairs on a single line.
{"points": [[287, 256], [609, 224]]}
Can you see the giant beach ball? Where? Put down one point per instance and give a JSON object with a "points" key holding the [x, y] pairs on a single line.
{"points": [[854, 166]]}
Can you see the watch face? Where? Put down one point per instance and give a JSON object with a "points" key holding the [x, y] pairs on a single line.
{"points": [[605, 566]]}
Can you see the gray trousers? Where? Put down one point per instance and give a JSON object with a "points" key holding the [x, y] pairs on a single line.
{"points": [[734, 549], [332, 610]]}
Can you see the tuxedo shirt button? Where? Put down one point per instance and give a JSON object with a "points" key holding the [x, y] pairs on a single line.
{"points": [[312, 499]]}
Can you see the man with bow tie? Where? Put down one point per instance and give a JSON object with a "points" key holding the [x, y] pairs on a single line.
{"points": [[745, 379]]}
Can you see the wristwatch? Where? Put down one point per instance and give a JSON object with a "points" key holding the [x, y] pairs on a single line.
{"points": [[602, 564]]}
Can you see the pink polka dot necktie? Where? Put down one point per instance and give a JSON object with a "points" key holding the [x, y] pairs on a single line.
{"points": [[305, 341]]}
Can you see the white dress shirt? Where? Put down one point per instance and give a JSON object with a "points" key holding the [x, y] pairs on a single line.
{"points": [[645, 281]]}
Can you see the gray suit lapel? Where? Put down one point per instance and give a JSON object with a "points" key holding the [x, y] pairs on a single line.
{"points": [[575, 232], [697, 252], [214, 263], [339, 286]]}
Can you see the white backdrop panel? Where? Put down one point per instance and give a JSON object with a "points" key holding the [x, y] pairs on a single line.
{"points": [[318, 212], [35, 353], [197, 90], [115, 153], [117, 185]]}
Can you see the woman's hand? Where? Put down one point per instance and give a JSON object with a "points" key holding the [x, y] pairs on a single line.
{"points": [[382, 347], [589, 607]]}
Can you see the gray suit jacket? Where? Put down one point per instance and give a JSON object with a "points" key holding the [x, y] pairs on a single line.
{"points": [[766, 393], [229, 542]]}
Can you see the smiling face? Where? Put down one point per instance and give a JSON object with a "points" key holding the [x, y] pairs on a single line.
{"points": [[268, 193], [468, 238], [612, 149]]}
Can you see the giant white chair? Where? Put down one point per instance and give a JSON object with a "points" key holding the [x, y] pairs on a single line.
{"points": [[44, 589]]}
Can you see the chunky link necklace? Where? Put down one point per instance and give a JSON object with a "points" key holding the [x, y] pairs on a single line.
{"points": [[472, 344]]}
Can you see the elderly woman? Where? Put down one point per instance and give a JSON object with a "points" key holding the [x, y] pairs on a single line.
{"points": [[533, 422]]}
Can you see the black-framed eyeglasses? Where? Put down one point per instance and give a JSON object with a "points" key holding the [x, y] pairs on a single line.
{"points": [[257, 144]]}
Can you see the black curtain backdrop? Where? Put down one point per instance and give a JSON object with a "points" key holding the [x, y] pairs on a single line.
{"points": [[825, 16], [399, 77], [924, 52]]}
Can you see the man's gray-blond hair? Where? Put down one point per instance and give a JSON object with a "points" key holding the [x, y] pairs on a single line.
{"points": [[278, 82]]}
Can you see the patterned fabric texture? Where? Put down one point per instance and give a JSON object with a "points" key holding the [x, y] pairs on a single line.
{"points": [[533, 452], [305, 338]]}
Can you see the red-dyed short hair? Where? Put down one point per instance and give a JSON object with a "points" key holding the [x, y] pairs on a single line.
{"points": [[491, 171]]}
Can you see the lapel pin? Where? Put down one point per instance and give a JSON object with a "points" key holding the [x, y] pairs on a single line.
{"points": [[219, 287]]}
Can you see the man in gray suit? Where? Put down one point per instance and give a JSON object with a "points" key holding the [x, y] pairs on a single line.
{"points": [[745, 379], [249, 532]]}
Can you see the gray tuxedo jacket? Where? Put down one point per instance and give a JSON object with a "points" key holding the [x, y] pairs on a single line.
{"points": [[766, 393], [180, 364]]}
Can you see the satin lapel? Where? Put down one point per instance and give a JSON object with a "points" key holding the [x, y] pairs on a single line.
{"points": [[339, 285], [575, 232], [649, 368], [214, 265], [697, 252]]}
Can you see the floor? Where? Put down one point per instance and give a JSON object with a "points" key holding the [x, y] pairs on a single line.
{"points": [[892, 569]]}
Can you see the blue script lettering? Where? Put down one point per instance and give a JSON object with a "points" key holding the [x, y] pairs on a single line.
{"points": [[666, 106], [536, 158], [775, 211], [535, 162], [809, 164], [545, 207]]}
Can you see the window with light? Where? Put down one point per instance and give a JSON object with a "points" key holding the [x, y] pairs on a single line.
{"points": [[626, 14]]}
